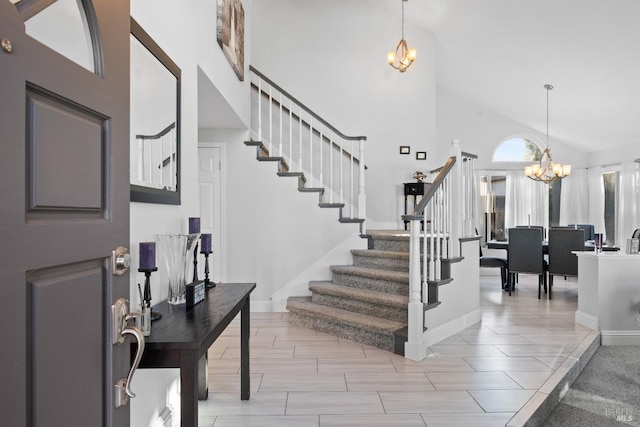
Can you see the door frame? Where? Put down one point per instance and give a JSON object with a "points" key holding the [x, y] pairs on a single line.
{"points": [[220, 252]]}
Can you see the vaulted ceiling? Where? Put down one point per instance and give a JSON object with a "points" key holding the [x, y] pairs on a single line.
{"points": [[501, 53]]}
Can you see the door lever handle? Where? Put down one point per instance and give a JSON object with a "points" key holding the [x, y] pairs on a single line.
{"points": [[120, 319], [137, 333], [123, 386]]}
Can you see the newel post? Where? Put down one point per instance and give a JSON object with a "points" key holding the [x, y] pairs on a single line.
{"points": [[457, 198], [415, 348], [362, 197]]}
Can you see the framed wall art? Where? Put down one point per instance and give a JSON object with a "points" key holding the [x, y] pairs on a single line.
{"points": [[405, 149], [421, 155], [230, 33]]}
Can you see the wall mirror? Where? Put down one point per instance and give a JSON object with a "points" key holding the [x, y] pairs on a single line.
{"points": [[155, 122]]}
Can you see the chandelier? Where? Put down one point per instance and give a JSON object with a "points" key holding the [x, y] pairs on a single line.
{"points": [[403, 57], [545, 170]]}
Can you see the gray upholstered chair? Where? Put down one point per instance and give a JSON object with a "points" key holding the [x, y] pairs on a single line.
{"points": [[496, 262], [562, 262], [589, 230], [525, 256]]}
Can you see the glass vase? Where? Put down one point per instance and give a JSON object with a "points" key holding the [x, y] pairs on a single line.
{"points": [[176, 251]]}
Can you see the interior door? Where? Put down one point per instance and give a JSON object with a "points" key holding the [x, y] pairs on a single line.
{"points": [[64, 207], [209, 179]]}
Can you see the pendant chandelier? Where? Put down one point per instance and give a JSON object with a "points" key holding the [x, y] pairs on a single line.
{"points": [[546, 170], [403, 57]]}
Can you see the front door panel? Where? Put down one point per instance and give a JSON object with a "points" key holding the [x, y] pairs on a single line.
{"points": [[64, 207]]}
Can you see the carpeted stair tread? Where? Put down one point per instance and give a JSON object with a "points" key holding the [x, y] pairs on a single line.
{"points": [[304, 304], [375, 253], [371, 273], [375, 297], [389, 234]]}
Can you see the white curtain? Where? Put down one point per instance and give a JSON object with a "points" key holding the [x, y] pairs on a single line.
{"points": [[527, 201], [574, 198], [628, 202], [596, 198]]}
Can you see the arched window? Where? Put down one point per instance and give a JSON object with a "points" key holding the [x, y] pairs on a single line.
{"points": [[517, 149]]}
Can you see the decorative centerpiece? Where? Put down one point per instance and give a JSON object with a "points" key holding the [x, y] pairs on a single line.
{"points": [[419, 176], [176, 251]]}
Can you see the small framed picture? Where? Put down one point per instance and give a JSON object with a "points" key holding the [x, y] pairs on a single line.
{"points": [[405, 149], [421, 155]]}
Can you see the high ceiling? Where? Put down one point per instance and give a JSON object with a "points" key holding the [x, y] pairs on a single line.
{"points": [[501, 53]]}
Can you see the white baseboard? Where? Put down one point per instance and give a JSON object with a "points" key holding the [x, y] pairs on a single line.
{"points": [[620, 337], [261, 306], [587, 320], [436, 334]]}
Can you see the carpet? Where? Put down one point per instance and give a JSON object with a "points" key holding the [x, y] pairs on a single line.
{"points": [[606, 393]]}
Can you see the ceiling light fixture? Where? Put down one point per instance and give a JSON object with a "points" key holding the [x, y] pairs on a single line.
{"points": [[403, 57], [546, 171]]}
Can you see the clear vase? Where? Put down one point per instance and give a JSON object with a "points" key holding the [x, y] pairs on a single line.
{"points": [[176, 251]]}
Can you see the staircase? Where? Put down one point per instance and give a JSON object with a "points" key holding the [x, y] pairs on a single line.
{"points": [[367, 301], [382, 298], [283, 170]]}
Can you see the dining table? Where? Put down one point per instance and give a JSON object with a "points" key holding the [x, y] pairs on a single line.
{"points": [[589, 245]]}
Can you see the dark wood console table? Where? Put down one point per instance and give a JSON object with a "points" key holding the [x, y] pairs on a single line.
{"points": [[414, 189], [182, 337]]}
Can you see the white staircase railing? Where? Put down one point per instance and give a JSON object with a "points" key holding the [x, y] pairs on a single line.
{"points": [[309, 145], [448, 205]]}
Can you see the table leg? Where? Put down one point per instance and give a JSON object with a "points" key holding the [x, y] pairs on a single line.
{"points": [[244, 351], [188, 389], [203, 377]]}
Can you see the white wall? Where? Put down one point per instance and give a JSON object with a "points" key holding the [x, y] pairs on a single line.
{"points": [[331, 55], [273, 232], [185, 30], [480, 131], [607, 156]]}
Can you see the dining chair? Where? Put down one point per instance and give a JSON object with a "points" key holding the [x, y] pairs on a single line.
{"points": [[562, 242], [636, 234], [589, 230], [544, 233], [496, 262], [525, 256]]}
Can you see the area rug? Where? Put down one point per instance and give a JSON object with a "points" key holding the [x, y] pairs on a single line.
{"points": [[606, 393]]}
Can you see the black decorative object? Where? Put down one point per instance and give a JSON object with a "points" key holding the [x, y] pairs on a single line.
{"points": [[195, 293], [206, 250], [147, 291]]}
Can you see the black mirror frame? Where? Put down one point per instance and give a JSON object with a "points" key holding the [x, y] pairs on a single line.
{"points": [[148, 194]]}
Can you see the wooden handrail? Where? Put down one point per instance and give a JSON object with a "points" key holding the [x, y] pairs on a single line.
{"points": [[160, 134], [305, 108], [418, 212], [308, 126]]}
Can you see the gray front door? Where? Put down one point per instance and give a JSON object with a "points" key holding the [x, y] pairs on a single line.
{"points": [[64, 206]]}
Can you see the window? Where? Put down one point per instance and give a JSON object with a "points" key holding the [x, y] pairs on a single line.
{"points": [[517, 149], [610, 180], [492, 193]]}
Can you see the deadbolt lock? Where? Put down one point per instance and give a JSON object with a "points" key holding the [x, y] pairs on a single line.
{"points": [[121, 260], [7, 46]]}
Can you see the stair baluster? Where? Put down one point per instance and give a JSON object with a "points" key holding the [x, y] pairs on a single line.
{"points": [[309, 164]]}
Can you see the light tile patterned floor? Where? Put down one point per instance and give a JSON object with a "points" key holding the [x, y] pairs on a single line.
{"points": [[482, 376]]}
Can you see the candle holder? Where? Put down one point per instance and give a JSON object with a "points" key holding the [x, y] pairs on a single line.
{"points": [[147, 291], [195, 261], [208, 284]]}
